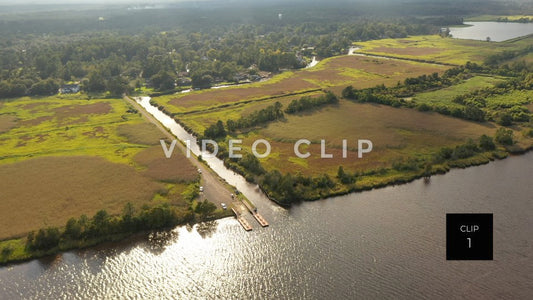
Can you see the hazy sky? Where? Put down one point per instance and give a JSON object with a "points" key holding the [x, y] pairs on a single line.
{"points": [[11, 2]]}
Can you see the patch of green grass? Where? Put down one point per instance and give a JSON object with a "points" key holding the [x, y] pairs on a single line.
{"points": [[439, 49], [140, 133], [510, 99], [13, 250], [199, 121], [53, 126], [445, 96]]}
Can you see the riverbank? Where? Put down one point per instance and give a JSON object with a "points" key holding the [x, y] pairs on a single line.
{"points": [[16, 250]]}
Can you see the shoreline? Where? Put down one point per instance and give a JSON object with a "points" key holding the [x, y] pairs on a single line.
{"points": [[86, 244], [122, 237]]}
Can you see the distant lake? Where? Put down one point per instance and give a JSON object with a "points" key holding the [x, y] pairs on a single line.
{"points": [[497, 31]]}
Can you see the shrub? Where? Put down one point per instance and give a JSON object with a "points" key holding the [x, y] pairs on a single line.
{"points": [[486, 143], [504, 136]]}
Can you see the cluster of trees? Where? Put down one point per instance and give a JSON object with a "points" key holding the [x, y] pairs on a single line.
{"points": [[289, 188], [344, 177], [504, 113], [103, 226], [470, 148], [308, 103], [519, 20], [215, 131], [259, 117]]}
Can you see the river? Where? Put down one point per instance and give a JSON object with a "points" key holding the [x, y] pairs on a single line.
{"points": [[496, 31], [385, 243]]}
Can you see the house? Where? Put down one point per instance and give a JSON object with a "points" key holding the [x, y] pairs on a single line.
{"points": [[69, 89]]}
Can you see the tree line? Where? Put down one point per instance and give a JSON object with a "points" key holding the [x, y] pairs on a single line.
{"points": [[103, 226], [307, 103]]}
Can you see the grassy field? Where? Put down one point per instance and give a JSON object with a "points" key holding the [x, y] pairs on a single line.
{"points": [[396, 133], [445, 96], [60, 158], [438, 49], [333, 74]]}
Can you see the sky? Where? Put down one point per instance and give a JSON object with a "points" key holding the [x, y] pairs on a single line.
{"points": [[11, 2]]}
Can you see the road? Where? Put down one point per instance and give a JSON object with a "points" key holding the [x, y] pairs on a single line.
{"points": [[216, 190]]}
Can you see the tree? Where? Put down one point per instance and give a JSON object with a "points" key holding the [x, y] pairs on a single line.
{"points": [[95, 83], [486, 143], [45, 239], [504, 136], [163, 81], [474, 113], [72, 229], [201, 81], [344, 177], [349, 93], [99, 224], [506, 119], [205, 208], [231, 125], [44, 87], [117, 86]]}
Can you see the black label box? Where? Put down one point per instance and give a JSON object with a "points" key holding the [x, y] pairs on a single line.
{"points": [[469, 237]]}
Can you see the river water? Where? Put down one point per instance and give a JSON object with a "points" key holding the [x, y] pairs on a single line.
{"points": [[385, 243], [496, 31]]}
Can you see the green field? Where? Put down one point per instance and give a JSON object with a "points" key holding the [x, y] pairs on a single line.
{"points": [[445, 96], [438, 49], [60, 158]]}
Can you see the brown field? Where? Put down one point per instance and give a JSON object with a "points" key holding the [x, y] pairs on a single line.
{"points": [[394, 132], [175, 169], [7, 122], [415, 51], [36, 121], [77, 114], [142, 133], [69, 111], [50, 172], [47, 191], [333, 73], [221, 96]]}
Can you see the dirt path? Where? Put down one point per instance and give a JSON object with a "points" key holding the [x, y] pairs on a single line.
{"points": [[215, 188]]}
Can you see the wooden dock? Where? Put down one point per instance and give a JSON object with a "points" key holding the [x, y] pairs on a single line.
{"points": [[260, 219], [253, 210], [241, 220]]}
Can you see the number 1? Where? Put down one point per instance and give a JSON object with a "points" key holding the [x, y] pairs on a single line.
{"points": [[469, 242]]}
